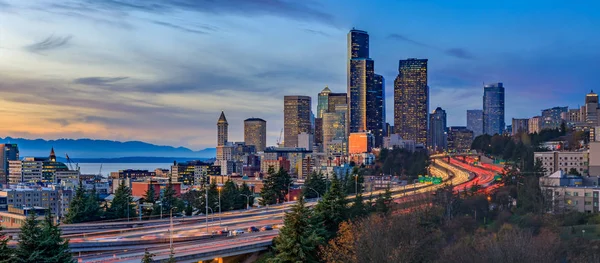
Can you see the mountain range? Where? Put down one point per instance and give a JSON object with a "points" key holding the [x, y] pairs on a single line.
{"points": [[94, 149]]}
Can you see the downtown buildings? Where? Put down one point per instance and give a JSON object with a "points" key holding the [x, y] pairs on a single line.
{"points": [[296, 118], [475, 121], [493, 109], [411, 100], [438, 130]]}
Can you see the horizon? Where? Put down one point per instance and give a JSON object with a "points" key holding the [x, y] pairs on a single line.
{"points": [[83, 74]]}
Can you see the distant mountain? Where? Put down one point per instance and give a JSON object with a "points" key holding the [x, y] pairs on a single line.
{"points": [[88, 148]]}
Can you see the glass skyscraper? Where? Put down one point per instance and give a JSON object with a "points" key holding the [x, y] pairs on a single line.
{"points": [[296, 118], [493, 109], [437, 130], [475, 122], [376, 109], [411, 100], [323, 102]]}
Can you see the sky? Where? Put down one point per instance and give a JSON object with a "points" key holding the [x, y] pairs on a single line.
{"points": [[162, 71]]}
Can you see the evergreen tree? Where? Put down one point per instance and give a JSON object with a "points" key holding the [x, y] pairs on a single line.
{"points": [[242, 200], [149, 197], [121, 203], [229, 197], [316, 182], [92, 210], [298, 241], [332, 209], [77, 206], [188, 209], [358, 209], [275, 187], [147, 257], [53, 248], [168, 198], [28, 249], [6, 253], [380, 205]]}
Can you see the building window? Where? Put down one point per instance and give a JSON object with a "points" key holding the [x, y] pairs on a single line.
{"points": [[576, 202], [596, 204], [568, 193], [575, 193], [588, 194], [588, 203]]}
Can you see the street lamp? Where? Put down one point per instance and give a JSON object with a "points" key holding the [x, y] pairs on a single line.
{"points": [[318, 195], [356, 184], [161, 205], [219, 188], [171, 230], [247, 201]]}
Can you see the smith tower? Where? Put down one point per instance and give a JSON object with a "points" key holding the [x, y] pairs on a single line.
{"points": [[222, 130], [411, 100]]}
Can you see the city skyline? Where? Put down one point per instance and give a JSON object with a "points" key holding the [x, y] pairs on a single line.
{"points": [[95, 80]]}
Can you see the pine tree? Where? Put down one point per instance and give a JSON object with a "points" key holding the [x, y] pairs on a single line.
{"points": [[268, 193], [358, 208], [380, 205], [121, 203], [92, 210], [6, 253], [77, 206], [243, 200], [298, 241], [28, 249], [149, 197], [168, 199], [147, 257], [229, 197], [172, 257], [316, 182], [53, 248], [332, 209]]}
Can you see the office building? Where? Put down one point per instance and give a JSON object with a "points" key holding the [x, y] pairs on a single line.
{"points": [[564, 161], [493, 109], [360, 142], [376, 109], [534, 124], [459, 139], [475, 122], [389, 129], [54, 198], [296, 118], [29, 170], [358, 44], [411, 100], [337, 99], [277, 164], [323, 102], [395, 141], [551, 118], [8, 152], [334, 126], [437, 130], [255, 133], [305, 141], [222, 132], [319, 133], [360, 79], [520, 126], [591, 109], [568, 192], [140, 188]]}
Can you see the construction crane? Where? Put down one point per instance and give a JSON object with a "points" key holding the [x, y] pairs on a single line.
{"points": [[100, 172], [279, 142]]}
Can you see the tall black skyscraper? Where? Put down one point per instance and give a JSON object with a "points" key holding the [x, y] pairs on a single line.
{"points": [[360, 80], [411, 100], [376, 109], [437, 130], [493, 109], [475, 122]]}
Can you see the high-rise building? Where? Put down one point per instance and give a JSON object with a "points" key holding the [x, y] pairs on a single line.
{"points": [[360, 80], [551, 118], [376, 110], [534, 124], [296, 118], [493, 109], [255, 133], [334, 126], [475, 122], [411, 100], [591, 109], [360, 142], [306, 141], [319, 131], [222, 132], [323, 102], [337, 99], [437, 130], [8, 152], [459, 139], [520, 125]]}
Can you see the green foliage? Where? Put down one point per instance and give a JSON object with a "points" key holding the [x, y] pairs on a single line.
{"points": [[122, 204], [358, 208], [77, 206], [147, 257], [53, 248], [168, 199], [149, 197], [574, 171], [92, 209], [316, 182], [30, 238], [172, 257], [402, 162], [6, 253], [298, 240], [275, 187], [332, 208]]}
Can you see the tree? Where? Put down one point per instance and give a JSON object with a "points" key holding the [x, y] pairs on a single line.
{"points": [[332, 208], [168, 198], [121, 206], [574, 171], [77, 206], [358, 208], [380, 205], [92, 210], [298, 241], [149, 197], [242, 200], [342, 248], [6, 253], [172, 257], [28, 248], [275, 187], [148, 257], [53, 248], [316, 182], [230, 197]]}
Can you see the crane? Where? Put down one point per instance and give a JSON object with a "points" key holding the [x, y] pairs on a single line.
{"points": [[279, 142]]}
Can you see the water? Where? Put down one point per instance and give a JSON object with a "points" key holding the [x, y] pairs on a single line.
{"points": [[107, 168]]}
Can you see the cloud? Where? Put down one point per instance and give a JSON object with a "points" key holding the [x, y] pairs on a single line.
{"points": [[49, 43], [98, 81], [316, 32], [181, 28], [454, 52]]}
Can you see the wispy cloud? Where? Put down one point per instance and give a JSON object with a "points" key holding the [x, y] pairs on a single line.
{"points": [[49, 43], [98, 81], [454, 52], [316, 32], [181, 28]]}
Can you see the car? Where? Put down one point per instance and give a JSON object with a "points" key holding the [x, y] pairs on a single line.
{"points": [[221, 232], [278, 226], [266, 228], [253, 229], [237, 232]]}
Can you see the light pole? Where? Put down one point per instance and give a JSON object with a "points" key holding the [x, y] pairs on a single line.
{"points": [[160, 203], [171, 230], [247, 201], [356, 184], [219, 188], [206, 202], [318, 195]]}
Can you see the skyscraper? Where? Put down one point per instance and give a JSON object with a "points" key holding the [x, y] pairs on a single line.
{"points": [[475, 122], [222, 130], [493, 109], [437, 130], [551, 118], [255, 133], [323, 102], [360, 80], [334, 126], [376, 109], [591, 109], [8, 152], [337, 99], [296, 118], [411, 100], [519, 125]]}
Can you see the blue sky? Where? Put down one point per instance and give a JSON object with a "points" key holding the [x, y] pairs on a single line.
{"points": [[161, 71]]}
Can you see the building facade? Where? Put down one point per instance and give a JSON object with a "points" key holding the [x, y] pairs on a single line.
{"points": [[296, 118], [475, 122], [8, 152], [564, 161], [323, 102], [222, 132], [334, 126], [255, 133], [376, 109], [459, 139], [411, 100], [360, 79], [360, 142], [551, 118], [519, 126], [493, 109], [534, 124], [437, 130]]}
